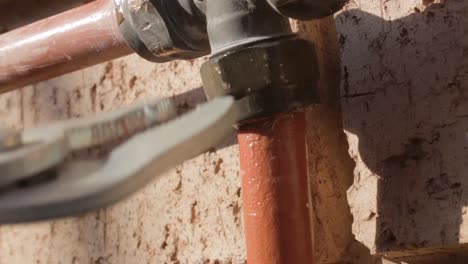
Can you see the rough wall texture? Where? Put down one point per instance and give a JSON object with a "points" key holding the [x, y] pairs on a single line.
{"points": [[404, 96], [194, 214], [190, 216], [330, 167]]}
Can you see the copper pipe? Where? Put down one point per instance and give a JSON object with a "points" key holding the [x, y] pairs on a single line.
{"points": [[275, 190], [63, 43]]}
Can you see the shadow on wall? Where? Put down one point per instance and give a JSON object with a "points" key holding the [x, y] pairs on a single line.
{"points": [[330, 168], [405, 104]]}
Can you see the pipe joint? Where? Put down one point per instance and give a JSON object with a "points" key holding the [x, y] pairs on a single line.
{"points": [[281, 75], [158, 30], [232, 23], [164, 30]]}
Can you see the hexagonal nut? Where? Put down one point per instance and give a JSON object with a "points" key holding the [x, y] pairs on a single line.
{"points": [[149, 29], [284, 72]]}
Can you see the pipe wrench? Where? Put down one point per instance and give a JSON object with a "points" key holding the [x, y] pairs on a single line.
{"points": [[41, 177]]}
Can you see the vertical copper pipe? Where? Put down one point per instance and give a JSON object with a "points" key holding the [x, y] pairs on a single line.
{"points": [[63, 43], [275, 190]]}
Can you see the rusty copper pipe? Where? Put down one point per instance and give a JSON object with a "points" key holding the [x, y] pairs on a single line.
{"points": [[60, 44], [275, 190]]}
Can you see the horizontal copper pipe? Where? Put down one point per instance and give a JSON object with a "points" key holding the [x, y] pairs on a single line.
{"points": [[60, 44], [275, 190]]}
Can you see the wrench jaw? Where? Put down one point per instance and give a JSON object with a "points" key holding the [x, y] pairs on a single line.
{"points": [[36, 154], [78, 186], [42, 148]]}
